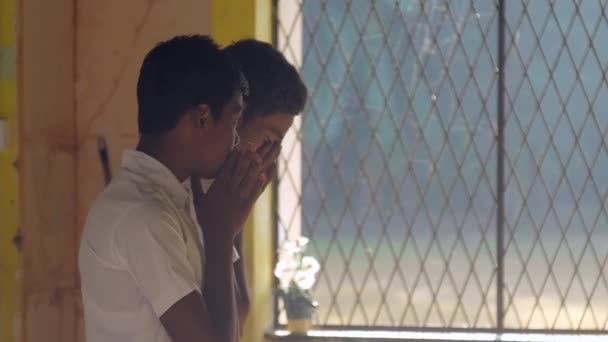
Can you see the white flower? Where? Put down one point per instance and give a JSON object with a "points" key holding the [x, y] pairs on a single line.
{"points": [[291, 247], [295, 247], [310, 264], [305, 280], [285, 271], [293, 269], [303, 242], [279, 269]]}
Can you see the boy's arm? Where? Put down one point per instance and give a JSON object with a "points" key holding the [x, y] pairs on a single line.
{"points": [[154, 253], [240, 286], [222, 212]]}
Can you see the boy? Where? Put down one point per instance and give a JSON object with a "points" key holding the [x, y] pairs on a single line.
{"points": [[144, 274], [276, 95]]}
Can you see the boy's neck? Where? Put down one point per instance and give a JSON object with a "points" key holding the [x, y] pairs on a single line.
{"points": [[167, 153]]}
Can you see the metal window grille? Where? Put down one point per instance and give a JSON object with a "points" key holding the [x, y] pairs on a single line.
{"points": [[451, 165]]}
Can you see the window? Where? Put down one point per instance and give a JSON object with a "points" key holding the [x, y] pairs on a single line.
{"points": [[437, 191]]}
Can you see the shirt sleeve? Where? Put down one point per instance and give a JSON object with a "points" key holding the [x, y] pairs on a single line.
{"points": [[152, 246]]}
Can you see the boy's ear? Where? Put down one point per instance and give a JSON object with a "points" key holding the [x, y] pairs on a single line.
{"points": [[203, 116]]}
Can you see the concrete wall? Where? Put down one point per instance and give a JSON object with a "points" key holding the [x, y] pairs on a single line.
{"points": [[78, 64]]}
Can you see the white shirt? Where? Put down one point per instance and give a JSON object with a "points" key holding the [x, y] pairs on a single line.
{"points": [[141, 252]]}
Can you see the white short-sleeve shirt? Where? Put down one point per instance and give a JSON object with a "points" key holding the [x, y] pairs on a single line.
{"points": [[141, 252]]}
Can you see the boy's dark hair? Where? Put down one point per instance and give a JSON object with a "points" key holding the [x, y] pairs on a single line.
{"points": [[274, 84], [180, 74]]}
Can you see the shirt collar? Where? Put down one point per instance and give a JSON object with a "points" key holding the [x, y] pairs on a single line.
{"points": [[154, 171], [205, 184]]}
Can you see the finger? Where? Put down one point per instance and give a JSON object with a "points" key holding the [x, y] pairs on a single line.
{"points": [[228, 166], [276, 151], [264, 149], [243, 166], [271, 174], [272, 155], [247, 146], [249, 181], [265, 178], [258, 187]]}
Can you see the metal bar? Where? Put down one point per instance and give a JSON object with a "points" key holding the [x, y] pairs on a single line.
{"points": [[275, 186], [500, 186], [359, 335], [377, 328]]}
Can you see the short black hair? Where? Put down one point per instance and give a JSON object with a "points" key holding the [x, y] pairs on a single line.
{"points": [[274, 84], [181, 73]]}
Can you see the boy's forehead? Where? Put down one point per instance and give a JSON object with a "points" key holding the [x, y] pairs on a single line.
{"points": [[277, 123]]}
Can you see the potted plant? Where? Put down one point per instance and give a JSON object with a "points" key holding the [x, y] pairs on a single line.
{"points": [[297, 275]]}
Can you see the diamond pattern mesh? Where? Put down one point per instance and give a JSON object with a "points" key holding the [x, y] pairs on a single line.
{"points": [[557, 99], [392, 169]]}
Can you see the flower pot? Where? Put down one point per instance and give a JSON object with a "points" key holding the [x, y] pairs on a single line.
{"points": [[300, 309], [299, 326]]}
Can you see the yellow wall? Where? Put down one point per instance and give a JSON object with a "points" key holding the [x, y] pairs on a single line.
{"points": [[47, 168], [9, 261]]}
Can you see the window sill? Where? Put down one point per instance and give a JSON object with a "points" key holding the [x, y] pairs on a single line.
{"points": [[376, 336]]}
